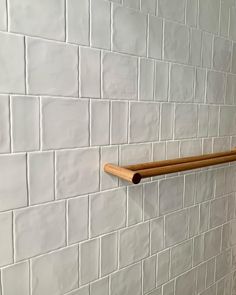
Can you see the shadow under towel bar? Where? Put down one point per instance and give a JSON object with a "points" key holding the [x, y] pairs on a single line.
{"points": [[135, 173]]}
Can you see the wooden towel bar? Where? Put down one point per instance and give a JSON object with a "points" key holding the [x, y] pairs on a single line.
{"points": [[134, 173]]}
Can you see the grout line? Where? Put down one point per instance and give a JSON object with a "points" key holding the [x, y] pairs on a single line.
{"points": [[30, 277], [40, 124], [79, 79], [10, 124], [7, 15], [101, 74], [67, 222], [139, 75], [13, 238], [220, 18], [90, 22], [147, 39], [1, 284], [54, 176], [27, 179], [65, 19], [111, 26], [25, 66]]}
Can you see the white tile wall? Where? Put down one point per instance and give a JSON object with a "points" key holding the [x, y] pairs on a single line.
{"points": [[149, 273], [16, 279], [163, 265], [51, 68], [207, 44], [119, 77], [13, 193], [129, 31], [139, 122], [25, 123], [78, 219], [161, 81], [185, 115], [90, 72], [5, 124], [191, 12], [176, 42], [87, 82], [43, 229], [215, 87], [102, 208], [61, 115], [40, 177], [127, 281], [33, 20], [234, 63], [176, 228], [77, 21], [100, 287], [71, 179], [150, 200], [109, 255], [181, 83], [209, 11], [157, 235], [55, 272], [134, 244], [100, 129], [232, 32], [3, 13], [134, 203], [6, 256], [155, 37], [167, 116], [195, 47], [100, 24], [148, 6], [174, 10], [186, 283], [89, 261], [12, 69], [168, 188], [119, 121], [222, 54], [146, 85], [181, 258]]}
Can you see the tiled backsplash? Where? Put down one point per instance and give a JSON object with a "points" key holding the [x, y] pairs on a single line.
{"points": [[85, 82]]}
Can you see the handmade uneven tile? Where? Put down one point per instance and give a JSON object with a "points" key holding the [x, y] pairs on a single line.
{"points": [[13, 194], [3, 15], [34, 18], [129, 28], [51, 68], [55, 271], [12, 71], [5, 124]]}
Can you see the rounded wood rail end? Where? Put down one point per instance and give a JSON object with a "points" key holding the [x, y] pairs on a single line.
{"points": [[136, 178], [123, 173]]}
